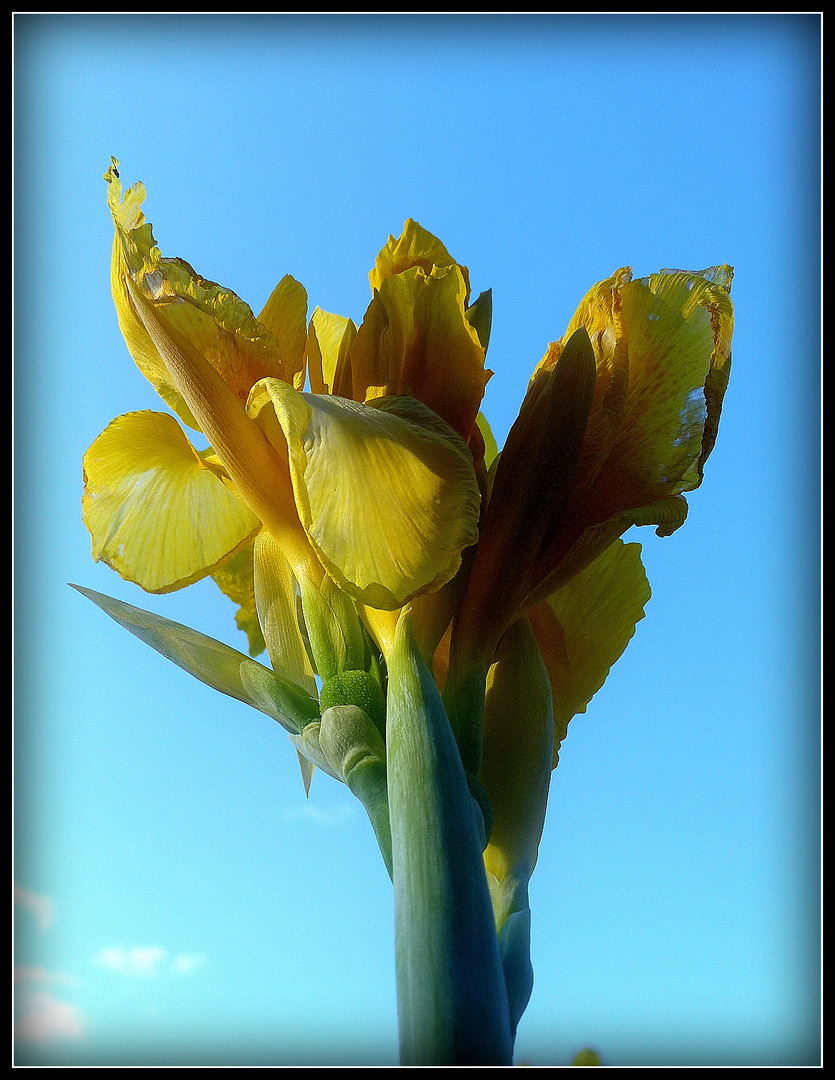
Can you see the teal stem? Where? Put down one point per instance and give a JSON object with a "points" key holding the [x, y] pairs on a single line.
{"points": [[368, 782], [452, 1002]]}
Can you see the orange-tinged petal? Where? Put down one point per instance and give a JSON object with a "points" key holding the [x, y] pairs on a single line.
{"points": [[532, 482]]}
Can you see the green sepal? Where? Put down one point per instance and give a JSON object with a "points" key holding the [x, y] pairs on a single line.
{"points": [[480, 317], [334, 630], [452, 1003], [308, 746]]}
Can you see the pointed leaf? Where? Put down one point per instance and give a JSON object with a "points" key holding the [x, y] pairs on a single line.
{"points": [[212, 662]]}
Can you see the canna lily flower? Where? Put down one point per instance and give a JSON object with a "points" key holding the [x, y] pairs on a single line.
{"points": [[380, 548], [258, 510]]}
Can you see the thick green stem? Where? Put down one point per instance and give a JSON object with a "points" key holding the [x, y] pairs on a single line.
{"points": [[452, 1002]]}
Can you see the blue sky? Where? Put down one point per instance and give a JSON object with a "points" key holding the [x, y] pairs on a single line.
{"points": [[180, 901]]}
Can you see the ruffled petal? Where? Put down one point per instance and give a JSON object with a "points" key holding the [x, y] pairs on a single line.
{"points": [[415, 246], [157, 513], [387, 494]]}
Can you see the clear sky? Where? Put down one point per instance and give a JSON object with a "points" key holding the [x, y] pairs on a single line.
{"points": [[181, 901]]}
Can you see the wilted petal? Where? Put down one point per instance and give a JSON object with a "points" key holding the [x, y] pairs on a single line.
{"points": [[387, 495], [157, 514], [218, 322]]}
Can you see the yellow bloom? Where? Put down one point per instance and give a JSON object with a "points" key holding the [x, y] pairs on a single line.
{"points": [[377, 494], [367, 496]]}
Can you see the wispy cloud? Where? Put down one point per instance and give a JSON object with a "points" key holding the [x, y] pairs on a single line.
{"points": [[149, 961], [138, 961], [41, 906], [188, 963], [43, 1018]]}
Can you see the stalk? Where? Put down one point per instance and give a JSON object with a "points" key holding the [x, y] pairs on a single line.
{"points": [[452, 1002]]}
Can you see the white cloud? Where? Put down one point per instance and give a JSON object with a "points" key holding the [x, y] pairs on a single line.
{"points": [[41, 906], [150, 961], [41, 1018], [138, 961]]}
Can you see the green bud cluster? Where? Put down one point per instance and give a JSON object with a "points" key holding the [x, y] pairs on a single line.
{"points": [[358, 688]]}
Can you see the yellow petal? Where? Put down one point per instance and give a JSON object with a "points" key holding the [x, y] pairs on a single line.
{"points": [[276, 597], [156, 513], [285, 316], [214, 318], [584, 627], [259, 474], [388, 501], [329, 340], [415, 338], [414, 247]]}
